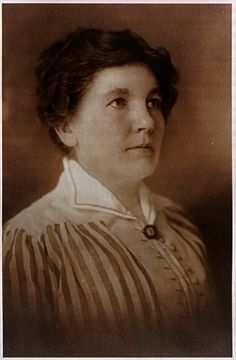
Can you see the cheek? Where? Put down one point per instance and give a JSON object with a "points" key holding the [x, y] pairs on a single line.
{"points": [[105, 130], [86, 130], [96, 139]]}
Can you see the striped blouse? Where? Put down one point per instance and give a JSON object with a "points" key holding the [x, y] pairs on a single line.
{"points": [[82, 279]]}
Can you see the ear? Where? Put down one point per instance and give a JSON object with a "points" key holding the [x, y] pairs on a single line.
{"points": [[66, 134]]}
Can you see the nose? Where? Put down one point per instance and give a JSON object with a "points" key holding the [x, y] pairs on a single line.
{"points": [[143, 120]]}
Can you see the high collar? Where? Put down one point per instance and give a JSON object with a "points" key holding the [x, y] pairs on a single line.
{"points": [[90, 194]]}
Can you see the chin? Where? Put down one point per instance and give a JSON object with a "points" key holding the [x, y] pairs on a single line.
{"points": [[142, 171]]}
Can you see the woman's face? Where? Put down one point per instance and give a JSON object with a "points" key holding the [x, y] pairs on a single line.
{"points": [[118, 129]]}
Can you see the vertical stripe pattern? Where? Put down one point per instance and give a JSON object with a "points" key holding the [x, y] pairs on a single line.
{"points": [[81, 277]]}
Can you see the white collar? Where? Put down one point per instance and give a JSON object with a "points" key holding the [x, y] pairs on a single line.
{"points": [[90, 194]]}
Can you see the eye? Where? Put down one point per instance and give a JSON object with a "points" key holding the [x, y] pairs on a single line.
{"points": [[154, 103], [118, 103]]}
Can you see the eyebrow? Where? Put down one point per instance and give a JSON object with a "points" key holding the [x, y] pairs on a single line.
{"points": [[125, 91], [117, 91], [154, 91]]}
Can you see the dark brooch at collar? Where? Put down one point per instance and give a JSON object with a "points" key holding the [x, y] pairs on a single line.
{"points": [[151, 232]]}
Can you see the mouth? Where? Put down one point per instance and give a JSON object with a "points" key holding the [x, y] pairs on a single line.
{"points": [[141, 146], [142, 149]]}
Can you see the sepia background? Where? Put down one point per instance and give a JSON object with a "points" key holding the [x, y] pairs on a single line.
{"points": [[195, 167]]}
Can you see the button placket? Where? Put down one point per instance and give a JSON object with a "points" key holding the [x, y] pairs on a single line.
{"points": [[173, 277], [189, 275], [162, 243], [192, 280]]}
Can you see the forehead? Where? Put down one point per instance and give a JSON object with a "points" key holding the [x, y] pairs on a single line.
{"points": [[133, 78]]}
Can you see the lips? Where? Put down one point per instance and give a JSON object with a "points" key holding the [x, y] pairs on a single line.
{"points": [[141, 146]]}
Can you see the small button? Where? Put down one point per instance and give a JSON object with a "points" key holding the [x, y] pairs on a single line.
{"points": [[172, 247], [194, 281], [161, 240], [151, 232]]}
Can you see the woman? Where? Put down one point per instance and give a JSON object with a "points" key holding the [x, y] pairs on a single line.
{"points": [[101, 266]]}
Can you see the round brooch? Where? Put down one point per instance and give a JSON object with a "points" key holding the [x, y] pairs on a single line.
{"points": [[150, 231]]}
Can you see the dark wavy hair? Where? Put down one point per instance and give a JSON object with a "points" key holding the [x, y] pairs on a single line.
{"points": [[67, 66]]}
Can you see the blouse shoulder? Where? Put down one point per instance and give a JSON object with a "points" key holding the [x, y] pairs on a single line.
{"points": [[177, 220], [33, 219], [27, 236], [173, 211]]}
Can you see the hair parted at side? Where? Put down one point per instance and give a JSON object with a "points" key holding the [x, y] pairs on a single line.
{"points": [[66, 67]]}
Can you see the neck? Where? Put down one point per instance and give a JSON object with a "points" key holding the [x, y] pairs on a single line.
{"points": [[127, 192], [128, 195]]}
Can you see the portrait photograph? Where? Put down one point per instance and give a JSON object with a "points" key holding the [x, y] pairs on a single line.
{"points": [[117, 180]]}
